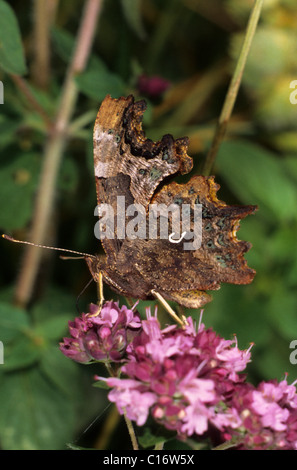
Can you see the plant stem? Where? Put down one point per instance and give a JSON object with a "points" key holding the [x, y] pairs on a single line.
{"points": [[159, 446], [233, 87], [41, 38], [131, 432], [54, 152]]}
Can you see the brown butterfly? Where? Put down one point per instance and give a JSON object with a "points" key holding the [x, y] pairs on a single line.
{"points": [[136, 169]]}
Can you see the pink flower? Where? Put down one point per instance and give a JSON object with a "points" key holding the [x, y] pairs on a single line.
{"points": [[101, 336], [152, 86], [195, 419], [265, 404], [130, 400]]}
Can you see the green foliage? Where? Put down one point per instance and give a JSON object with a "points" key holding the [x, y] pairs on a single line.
{"points": [[258, 176], [36, 380], [11, 51], [45, 398]]}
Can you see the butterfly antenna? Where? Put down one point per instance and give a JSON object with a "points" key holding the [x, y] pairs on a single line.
{"points": [[81, 293], [11, 239]]}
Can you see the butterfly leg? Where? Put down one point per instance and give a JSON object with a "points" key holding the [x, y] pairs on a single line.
{"points": [[167, 307], [100, 291]]}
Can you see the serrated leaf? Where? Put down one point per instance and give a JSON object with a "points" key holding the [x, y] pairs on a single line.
{"points": [[257, 176], [11, 50], [18, 183]]}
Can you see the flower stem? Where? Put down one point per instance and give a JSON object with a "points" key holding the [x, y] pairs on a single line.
{"points": [[54, 152], [131, 432], [233, 87]]}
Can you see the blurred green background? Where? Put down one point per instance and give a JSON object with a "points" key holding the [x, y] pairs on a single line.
{"points": [[46, 401]]}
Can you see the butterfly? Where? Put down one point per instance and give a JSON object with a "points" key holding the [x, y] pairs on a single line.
{"points": [[136, 171]]}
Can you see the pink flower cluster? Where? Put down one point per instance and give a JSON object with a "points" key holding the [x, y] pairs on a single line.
{"points": [[191, 382], [101, 337], [268, 416]]}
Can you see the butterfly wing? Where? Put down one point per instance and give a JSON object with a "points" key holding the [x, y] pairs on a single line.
{"points": [[130, 170], [129, 167], [185, 274]]}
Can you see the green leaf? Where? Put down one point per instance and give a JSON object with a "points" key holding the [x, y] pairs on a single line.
{"points": [[11, 50], [53, 328], [257, 176], [54, 304], [13, 321], [132, 12], [98, 82], [18, 183], [63, 43], [149, 440], [290, 164], [60, 370], [101, 384], [34, 414], [22, 353], [281, 310], [8, 131]]}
